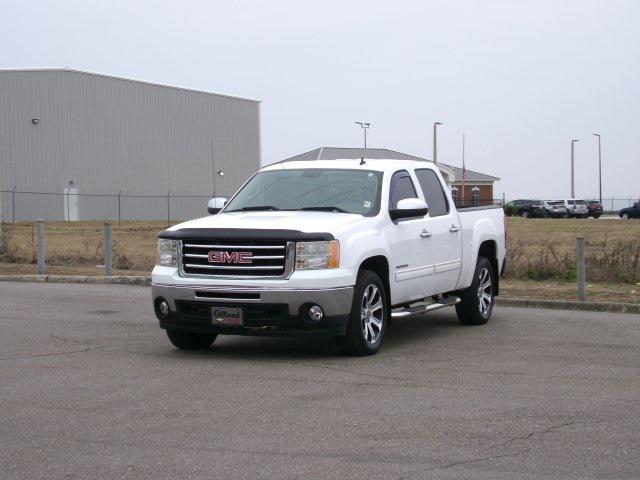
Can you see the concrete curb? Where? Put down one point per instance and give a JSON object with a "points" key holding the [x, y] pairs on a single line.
{"points": [[114, 280], [501, 301], [570, 305]]}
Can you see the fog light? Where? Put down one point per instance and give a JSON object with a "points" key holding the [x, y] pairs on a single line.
{"points": [[315, 313], [163, 307]]}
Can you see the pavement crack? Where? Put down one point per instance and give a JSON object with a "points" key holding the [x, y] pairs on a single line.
{"points": [[545, 431], [88, 349], [360, 374], [462, 462], [65, 339]]}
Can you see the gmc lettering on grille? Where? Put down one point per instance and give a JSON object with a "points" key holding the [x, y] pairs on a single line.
{"points": [[230, 257]]}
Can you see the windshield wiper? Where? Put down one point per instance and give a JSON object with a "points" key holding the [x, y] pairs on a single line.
{"points": [[326, 209], [254, 208]]}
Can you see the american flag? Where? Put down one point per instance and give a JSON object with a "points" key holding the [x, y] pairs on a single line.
{"points": [[464, 172]]}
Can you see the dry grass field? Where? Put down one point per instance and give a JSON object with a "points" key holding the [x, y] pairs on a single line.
{"points": [[541, 254]]}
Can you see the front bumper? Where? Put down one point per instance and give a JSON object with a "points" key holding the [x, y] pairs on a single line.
{"points": [[267, 311]]}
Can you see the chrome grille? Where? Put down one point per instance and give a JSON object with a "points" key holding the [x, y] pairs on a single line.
{"points": [[272, 259]]}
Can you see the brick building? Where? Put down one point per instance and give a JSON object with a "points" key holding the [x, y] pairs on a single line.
{"points": [[478, 187]]}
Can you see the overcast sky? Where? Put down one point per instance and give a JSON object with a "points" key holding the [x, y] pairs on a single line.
{"points": [[520, 78]]}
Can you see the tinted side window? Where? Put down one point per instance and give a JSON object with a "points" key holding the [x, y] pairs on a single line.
{"points": [[433, 192], [401, 187]]}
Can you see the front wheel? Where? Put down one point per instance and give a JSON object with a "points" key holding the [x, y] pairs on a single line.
{"points": [[625, 216], [190, 341], [368, 318], [477, 301], [524, 214]]}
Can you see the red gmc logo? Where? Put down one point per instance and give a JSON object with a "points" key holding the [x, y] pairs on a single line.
{"points": [[230, 257]]}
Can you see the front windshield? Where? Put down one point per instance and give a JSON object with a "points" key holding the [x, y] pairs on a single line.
{"points": [[339, 190]]}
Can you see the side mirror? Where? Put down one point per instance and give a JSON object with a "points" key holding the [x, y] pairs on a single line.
{"points": [[409, 207], [216, 204]]}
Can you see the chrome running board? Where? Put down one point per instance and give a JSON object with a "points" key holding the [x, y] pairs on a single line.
{"points": [[421, 308]]}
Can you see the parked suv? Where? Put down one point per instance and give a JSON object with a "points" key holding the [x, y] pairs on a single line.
{"points": [[631, 212], [575, 208], [526, 208], [555, 209], [595, 208]]}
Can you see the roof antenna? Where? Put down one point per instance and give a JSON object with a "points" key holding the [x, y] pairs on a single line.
{"points": [[362, 162]]}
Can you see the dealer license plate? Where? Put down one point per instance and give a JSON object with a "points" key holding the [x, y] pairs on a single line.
{"points": [[226, 316]]}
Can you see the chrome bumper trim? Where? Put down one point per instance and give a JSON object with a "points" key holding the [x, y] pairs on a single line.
{"points": [[334, 301]]}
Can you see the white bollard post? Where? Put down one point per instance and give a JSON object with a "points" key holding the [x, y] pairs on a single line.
{"points": [[108, 251], [581, 268], [40, 240]]}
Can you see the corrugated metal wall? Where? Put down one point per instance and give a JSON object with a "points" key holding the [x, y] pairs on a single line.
{"points": [[108, 135]]}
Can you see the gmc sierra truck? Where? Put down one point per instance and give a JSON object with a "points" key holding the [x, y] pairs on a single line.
{"points": [[334, 248]]}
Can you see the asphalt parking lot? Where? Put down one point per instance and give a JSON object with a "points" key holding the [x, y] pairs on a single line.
{"points": [[91, 388]]}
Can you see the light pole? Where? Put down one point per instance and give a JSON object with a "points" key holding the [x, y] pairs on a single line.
{"points": [[599, 166], [573, 169], [435, 141], [365, 126]]}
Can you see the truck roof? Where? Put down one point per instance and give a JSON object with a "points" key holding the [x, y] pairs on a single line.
{"points": [[377, 164]]}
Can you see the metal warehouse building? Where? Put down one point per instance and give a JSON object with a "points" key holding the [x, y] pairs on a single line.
{"points": [[77, 145]]}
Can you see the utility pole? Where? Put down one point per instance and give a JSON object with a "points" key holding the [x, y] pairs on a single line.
{"points": [[435, 141], [573, 169], [365, 126], [599, 166]]}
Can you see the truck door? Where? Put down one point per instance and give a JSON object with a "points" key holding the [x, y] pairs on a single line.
{"points": [[409, 267], [444, 244]]}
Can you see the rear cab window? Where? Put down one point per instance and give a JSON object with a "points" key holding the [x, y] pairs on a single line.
{"points": [[433, 193]]}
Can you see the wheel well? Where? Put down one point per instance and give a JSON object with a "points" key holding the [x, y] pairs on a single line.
{"points": [[488, 251], [379, 265]]}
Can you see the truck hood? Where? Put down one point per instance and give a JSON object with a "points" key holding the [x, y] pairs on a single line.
{"points": [[304, 221]]}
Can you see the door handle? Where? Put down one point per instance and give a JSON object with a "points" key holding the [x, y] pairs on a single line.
{"points": [[425, 233], [453, 228]]}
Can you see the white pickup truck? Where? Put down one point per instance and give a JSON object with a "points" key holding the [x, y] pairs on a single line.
{"points": [[333, 248]]}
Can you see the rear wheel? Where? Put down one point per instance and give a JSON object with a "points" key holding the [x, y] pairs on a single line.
{"points": [[477, 301], [524, 214], [625, 216], [368, 318], [190, 341]]}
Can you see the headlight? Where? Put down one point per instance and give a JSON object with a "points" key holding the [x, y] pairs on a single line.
{"points": [[167, 253], [315, 255]]}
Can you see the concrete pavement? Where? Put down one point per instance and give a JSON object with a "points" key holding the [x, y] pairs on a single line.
{"points": [[91, 388]]}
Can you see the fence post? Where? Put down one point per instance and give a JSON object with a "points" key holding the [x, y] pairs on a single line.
{"points": [[13, 203], [40, 240], [581, 268], [168, 208], [119, 211], [108, 250]]}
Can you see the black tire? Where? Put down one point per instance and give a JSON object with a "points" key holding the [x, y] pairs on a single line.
{"points": [[366, 327], [190, 341], [470, 310], [597, 215], [624, 216], [524, 214]]}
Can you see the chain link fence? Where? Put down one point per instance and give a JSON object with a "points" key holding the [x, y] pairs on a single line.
{"points": [[20, 206]]}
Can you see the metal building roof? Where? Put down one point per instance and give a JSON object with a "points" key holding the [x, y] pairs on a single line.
{"points": [[123, 79], [335, 153]]}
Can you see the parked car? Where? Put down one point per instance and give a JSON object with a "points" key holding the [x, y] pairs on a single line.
{"points": [[575, 208], [631, 212], [595, 208], [332, 248], [555, 209], [526, 208]]}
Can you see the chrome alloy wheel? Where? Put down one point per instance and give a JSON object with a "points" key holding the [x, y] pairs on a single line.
{"points": [[485, 292], [371, 313]]}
